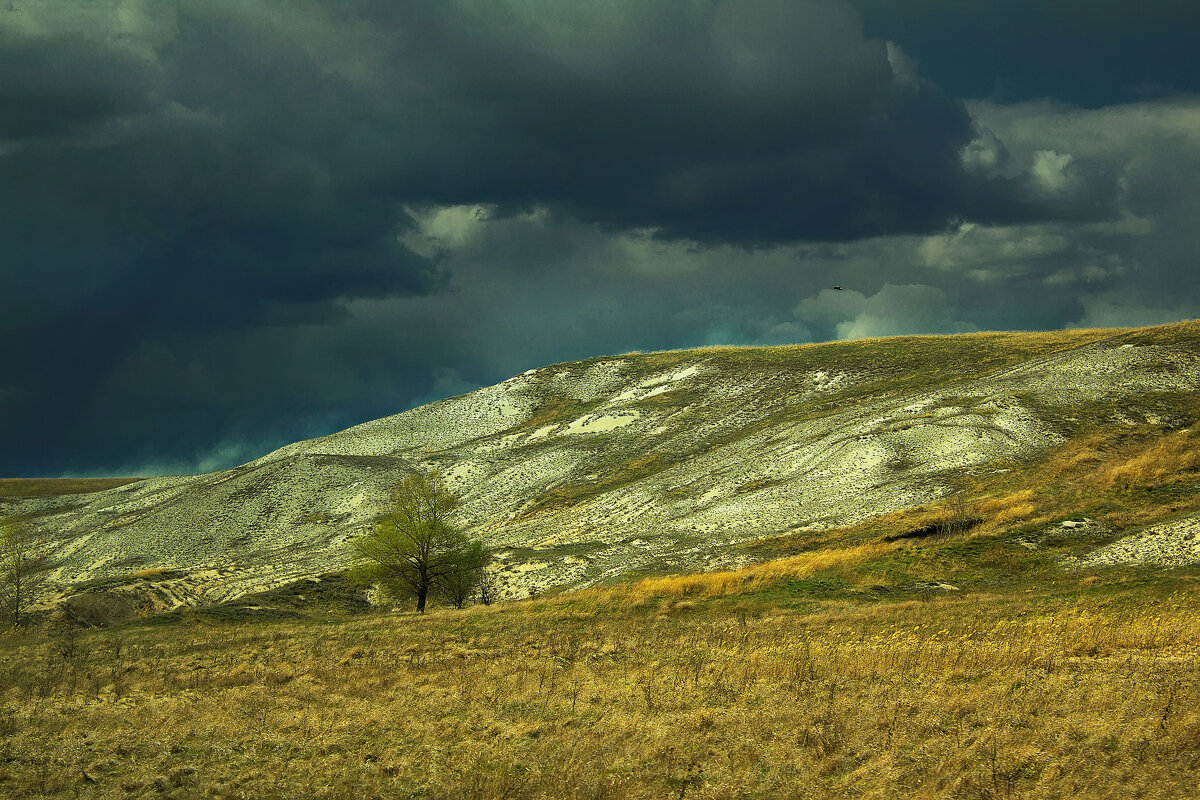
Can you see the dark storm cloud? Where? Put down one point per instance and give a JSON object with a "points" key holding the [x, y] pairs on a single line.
{"points": [[45, 94], [217, 215], [753, 122], [749, 122], [144, 213], [1087, 52]]}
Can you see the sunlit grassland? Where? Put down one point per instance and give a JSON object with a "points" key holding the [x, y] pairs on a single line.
{"points": [[1087, 688], [838, 671]]}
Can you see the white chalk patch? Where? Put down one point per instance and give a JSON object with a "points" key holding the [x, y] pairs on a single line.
{"points": [[1170, 544], [685, 373], [600, 424], [657, 391], [542, 432]]}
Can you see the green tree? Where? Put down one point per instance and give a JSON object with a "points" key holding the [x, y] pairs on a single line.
{"points": [[456, 588], [415, 549], [22, 572]]}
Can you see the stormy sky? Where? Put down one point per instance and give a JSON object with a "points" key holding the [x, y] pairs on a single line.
{"points": [[226, 225]]}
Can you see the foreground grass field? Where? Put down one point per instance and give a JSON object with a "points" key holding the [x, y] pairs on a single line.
{"points": [[1089, 687]]}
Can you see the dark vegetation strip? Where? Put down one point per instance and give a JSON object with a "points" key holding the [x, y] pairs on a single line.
{"points": [[20, 488]]}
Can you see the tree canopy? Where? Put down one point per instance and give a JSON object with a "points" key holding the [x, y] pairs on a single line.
{"points": [[416, 549]]}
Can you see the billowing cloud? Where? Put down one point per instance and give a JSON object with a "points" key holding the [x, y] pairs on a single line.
{"points": [[735, 121], [228, 225], [891, 311], [1151, 153]]}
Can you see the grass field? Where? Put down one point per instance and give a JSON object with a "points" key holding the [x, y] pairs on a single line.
{"points": [[796, 683]]}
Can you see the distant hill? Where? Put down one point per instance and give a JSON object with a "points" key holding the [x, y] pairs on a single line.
{"points": [[649, 463], [22, 488]]}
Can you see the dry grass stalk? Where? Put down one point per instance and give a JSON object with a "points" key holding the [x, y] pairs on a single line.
{"points": [[740, 581], [979, 697]]}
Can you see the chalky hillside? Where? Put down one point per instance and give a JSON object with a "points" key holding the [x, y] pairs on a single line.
{"points": [[640, 464]]}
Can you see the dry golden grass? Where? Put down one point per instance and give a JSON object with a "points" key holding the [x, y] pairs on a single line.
{"points": [[1123, 477], [1166, 459], [731, 582], [975, 697], [1009, 508]]}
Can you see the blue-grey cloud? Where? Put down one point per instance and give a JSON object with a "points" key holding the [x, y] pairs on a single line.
{"points": [[1090, 54], [230, 224]]}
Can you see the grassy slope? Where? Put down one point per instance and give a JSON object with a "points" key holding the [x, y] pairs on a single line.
{"points": [[21, 488]]}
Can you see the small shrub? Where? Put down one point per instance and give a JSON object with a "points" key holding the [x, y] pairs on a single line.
{"points": [[100, 609]]}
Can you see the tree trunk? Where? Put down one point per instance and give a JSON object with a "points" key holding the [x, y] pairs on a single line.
{"points": [[422, 590]]}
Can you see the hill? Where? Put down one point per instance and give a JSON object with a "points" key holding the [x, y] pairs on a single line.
{"points": [[941, 567], [689, 461]]}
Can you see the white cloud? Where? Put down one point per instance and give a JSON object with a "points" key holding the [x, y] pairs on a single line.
{"points": [[222, 455], [447, 382], [444, 228], [989, 253], [1110, 133], [1088, 273], [139, 25], [785, 333], [893, 310], [1050, 171], [985, 154], [904, 67]]}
